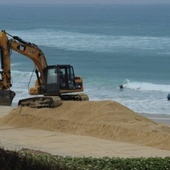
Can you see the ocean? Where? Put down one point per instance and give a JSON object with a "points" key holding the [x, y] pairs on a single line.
{"points": [[108, 45]]}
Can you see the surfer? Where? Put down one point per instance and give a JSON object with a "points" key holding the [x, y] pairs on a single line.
{"points": [[121, 86]]}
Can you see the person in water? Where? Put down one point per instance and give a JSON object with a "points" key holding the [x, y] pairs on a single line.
{"points": [[121, 86]]}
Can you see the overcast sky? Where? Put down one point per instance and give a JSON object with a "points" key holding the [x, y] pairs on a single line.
{"points": [[83, 1]]}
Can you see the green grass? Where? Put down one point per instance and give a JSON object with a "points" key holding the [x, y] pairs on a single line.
{"points": [[36, 160]]}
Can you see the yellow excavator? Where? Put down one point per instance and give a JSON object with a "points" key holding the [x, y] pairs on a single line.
{"points": [[53, 84]]}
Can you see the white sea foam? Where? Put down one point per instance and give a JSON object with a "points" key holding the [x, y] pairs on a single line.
{"points": [[147, 86], [90, 42]]}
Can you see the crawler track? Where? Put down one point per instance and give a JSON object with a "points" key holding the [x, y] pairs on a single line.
{"points": [[40, 102]]}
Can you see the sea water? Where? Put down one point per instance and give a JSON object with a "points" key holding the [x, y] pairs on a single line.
{"points": [[108, 45]]}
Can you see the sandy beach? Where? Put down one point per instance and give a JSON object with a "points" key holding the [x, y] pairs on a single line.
{"points": [[89, 128]]}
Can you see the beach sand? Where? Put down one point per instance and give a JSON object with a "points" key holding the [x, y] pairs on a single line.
{"points": [[88, 128]]}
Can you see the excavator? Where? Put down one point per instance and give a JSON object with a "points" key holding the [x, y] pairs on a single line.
{"points": [[54, 83]]}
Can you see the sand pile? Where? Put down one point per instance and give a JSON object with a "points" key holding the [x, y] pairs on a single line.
{"points": [[103, 119]]}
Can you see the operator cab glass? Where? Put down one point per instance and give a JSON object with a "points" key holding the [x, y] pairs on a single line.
{"points": [[66, 77], [52, 76], [51, 81]]}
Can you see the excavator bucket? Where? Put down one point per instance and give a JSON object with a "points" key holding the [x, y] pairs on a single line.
{"points": [[6, 97]]}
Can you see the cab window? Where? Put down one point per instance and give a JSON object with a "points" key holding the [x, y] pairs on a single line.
{"points": [[52, 76]]}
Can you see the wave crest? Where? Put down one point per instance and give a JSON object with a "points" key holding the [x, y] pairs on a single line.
{"points": [[91, 42], [146, 86]]}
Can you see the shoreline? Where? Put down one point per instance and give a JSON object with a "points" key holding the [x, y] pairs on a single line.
{"points": [[159, 118]]}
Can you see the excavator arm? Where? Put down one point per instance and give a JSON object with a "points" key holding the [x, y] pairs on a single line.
{"points": [[6, 95], [5, 82]]}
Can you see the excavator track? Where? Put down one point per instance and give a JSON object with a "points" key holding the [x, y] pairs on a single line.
{"points": [[40, 102], [75, 97], [51, 101]]}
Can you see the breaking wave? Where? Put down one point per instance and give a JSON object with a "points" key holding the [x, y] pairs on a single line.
{"points": [[147, 86], [90, 42]]}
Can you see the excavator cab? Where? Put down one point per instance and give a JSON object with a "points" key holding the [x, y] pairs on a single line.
{"points": [[61, 79]]}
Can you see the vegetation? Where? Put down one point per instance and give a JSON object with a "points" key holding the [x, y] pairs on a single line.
{"points": [[35, 160]]}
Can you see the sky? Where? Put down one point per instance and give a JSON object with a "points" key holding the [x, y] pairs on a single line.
{"points": [[82, 1]]}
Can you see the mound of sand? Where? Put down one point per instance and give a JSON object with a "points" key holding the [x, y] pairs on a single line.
{"points": [[102, 119]]}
